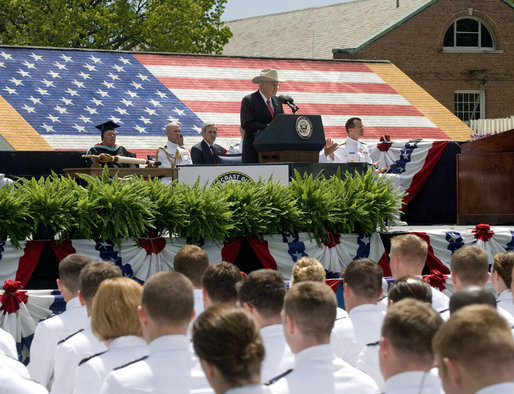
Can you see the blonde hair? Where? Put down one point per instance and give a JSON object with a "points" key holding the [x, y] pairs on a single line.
{"points": [[307, 268], [411, 249], [114, 311]]}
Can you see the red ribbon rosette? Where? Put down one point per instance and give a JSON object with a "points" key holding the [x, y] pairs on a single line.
{"points": [[436, 279], [152, 244], [13, 296], [483, 232], [385, 143]]}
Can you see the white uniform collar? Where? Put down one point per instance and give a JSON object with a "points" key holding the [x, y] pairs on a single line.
{"points": [[171, 146]]}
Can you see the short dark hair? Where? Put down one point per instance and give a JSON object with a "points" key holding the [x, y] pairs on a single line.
{"points": [[264, 289], [350, 123], [168, 298], [410, 326], [410, 287], [93, 274], [313, 307], [191, 261], [364, 277], [471, 295], [219, 281], [69, 270]]}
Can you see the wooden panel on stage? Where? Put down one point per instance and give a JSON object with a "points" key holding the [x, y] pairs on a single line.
{"points": [[485, 188], [153, 172]]}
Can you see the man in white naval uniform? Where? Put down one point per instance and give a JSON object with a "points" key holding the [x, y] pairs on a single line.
{"points": [[171, 367], [237, 149], [474, 350], [262, 294], [52, 330], [362, 289], [405, 353], [83, 343], [171, 154], [351, 150], [308, 317], [407, 258]]}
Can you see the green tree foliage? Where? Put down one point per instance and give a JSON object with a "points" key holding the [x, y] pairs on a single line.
{"points": [[191, 26]]}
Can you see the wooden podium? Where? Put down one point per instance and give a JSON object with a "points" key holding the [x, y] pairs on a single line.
{"points": [[291, 139], [485, 187]]}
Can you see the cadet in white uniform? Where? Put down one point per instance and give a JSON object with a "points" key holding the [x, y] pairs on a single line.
{"points": [[171, 154], [501, 278], [237, 149], [227, 341], [262, 295], [362, 289], [165, 312], [116, 324], [52, 330], [83, 343], [308, 317], [406, 359], [475, 355], [350, 151]]}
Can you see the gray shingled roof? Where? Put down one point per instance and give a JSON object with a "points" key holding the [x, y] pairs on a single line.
{"points": [[314, 32]]}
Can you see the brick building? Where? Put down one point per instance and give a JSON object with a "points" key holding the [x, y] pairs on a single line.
{"points": [[460, 51]]}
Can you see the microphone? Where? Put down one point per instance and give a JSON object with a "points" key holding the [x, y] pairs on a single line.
{"points": [[289, 101]]}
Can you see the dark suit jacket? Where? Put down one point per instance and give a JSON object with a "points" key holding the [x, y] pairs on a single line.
{"points": [[201, 153], [255, 117]]}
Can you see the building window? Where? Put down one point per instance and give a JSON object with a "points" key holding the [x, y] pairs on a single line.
{"points": [[468, 33], [469, 104]]}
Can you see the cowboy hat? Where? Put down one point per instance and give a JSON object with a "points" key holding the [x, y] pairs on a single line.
{"points": [[267, 75]]}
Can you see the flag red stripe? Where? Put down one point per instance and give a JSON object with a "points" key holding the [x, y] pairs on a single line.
{"points": [[239, 62], [288, 86], [322, 109]]}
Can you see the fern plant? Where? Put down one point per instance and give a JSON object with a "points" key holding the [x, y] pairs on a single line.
{"points": [[15, 216], [117, 209], [208, 213]]}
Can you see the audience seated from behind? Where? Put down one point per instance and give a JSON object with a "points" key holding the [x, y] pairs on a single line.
{"points": [[219, 284]]}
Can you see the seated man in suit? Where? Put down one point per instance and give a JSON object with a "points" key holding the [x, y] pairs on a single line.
{"points": [[206, 151], [258, 110]]}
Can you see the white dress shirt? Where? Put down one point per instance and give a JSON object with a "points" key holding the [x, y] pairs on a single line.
{"points": [[167, 369], [350, 151], [90, 374], [422, 382], [500, 388], [278, 356], [48, 333], [505, 302], [317, 370], [8, 344]]}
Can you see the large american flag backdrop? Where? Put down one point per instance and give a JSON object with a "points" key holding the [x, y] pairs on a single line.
{"points": [[63, 94]]}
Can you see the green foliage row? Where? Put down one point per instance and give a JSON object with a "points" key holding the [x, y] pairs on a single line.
{"points": [[186, 26], [115, 209]]}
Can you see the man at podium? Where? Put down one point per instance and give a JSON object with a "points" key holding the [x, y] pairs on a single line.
{"points": [[258, 110]]}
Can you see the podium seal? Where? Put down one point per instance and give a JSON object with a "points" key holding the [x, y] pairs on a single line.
{"points": [[304, 127]]}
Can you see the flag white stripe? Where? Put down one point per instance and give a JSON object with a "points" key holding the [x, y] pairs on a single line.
{"points": [[332, 120], [299, 97], [248, 73]]}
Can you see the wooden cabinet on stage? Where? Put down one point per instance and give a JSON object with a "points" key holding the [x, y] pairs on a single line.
{"points": [[485, 188]]}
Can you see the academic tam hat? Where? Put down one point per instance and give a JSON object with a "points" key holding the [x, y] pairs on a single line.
{"points": [[267, 75], [109, 125]]}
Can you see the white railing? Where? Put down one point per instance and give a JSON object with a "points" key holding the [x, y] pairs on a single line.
{"points": [[481, 128]]}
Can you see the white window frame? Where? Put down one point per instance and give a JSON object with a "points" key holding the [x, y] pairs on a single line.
{"points": [[481, 94], [473, 48]]}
